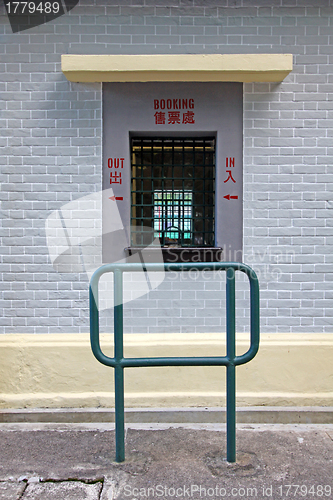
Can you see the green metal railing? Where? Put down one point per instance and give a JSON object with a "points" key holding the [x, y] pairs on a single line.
{"points": [[118, 362]]}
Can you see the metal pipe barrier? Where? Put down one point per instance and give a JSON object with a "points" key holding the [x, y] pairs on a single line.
{"points": [[118, 362]]}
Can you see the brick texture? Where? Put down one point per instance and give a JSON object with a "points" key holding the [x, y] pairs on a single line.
{"points": [[51, 142]]}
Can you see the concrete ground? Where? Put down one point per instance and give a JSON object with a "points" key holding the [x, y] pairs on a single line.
{"points": [[76, 462]]}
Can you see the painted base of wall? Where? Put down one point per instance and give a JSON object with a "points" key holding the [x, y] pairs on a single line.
{"points": [[168, 416], [59, 371]]}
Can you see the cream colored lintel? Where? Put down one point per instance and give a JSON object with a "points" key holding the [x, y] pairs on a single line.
{"points": [[177, 68]]}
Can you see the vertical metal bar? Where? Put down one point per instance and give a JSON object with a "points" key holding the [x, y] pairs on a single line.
{"points": [[183, 191], [213, 156], [119, 371], [133, 192], [152, 198], [164, 170], [94, 318], [141, 193], [193, 191], [231, 371], [203, 192], [254, 310]]}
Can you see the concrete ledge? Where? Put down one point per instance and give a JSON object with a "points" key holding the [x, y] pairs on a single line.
{"points": [[59, 371], [254, 415], [177, 68]]}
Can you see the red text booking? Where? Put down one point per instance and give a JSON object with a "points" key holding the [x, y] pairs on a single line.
{"points": [[174, 111]]}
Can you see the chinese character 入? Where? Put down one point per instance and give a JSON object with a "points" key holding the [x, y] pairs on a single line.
{"points": [[230, 177]]}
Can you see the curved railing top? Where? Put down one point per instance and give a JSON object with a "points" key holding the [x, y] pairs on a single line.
{"points": [[229, 267]]}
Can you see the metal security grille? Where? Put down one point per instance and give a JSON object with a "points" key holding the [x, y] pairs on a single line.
{"points": [[172, 190]]}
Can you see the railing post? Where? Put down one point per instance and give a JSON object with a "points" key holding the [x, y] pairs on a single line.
{"points": [[231, 369], [119, 370]]}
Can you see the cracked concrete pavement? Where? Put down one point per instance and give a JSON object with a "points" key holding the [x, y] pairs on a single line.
{"points": [[76, 462]]}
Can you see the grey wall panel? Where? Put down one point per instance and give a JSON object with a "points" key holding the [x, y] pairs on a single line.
{"points": [[129, 108]]}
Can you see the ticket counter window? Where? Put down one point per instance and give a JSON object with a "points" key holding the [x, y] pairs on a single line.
{"points": [[173, 191], [173, 156]]}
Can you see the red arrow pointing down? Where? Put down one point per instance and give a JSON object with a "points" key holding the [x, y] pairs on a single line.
{"points": [[229, 197]]}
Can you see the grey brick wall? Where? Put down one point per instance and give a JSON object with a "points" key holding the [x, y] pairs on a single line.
{"points": [[51, 140]]}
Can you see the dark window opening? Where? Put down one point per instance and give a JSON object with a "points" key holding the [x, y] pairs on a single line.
{"points": [[173, 191]]}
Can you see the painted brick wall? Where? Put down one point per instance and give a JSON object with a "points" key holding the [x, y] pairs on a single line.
{"points": [[50, 138]]}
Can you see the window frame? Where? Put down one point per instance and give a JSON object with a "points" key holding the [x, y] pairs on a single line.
{"points": [[174, 249]]}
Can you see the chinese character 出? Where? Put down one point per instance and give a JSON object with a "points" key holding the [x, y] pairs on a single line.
{"points": [[115, 178]]}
